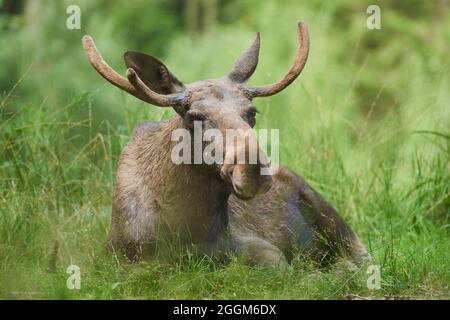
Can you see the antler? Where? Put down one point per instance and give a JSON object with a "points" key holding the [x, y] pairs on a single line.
{"points": [[294, 71], [137, 88]]}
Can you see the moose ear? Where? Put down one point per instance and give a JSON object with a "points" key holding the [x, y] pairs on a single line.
{"points": [[246, 64], [153, 73]]}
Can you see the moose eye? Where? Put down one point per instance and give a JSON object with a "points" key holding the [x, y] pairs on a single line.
{"points": [[194, 116], [191, 117]]}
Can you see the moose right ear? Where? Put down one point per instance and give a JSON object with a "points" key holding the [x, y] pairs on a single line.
{"points": [[153, 73]]}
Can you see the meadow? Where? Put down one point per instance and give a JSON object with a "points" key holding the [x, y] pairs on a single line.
{"points": [[367, 124]]}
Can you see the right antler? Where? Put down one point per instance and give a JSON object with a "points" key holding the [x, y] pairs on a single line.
{"points": [[294, 71], [134, 85]]}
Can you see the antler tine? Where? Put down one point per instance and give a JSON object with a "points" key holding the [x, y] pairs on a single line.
{"points": [[137, 89], [299, 63], [162, 100]]}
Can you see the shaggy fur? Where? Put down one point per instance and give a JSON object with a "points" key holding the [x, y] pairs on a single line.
{"points": [[156, 200]]}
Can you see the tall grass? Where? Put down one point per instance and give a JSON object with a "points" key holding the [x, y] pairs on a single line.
{"points": [[366, 124]]}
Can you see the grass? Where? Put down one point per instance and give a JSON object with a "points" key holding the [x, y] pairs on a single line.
{"points": [[369, 131], [56, 193]]}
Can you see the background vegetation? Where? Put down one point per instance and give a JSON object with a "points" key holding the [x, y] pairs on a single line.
{"points": [[367, 124]]}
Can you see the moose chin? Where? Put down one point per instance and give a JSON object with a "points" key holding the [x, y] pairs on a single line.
{"points": [[268, 216]]}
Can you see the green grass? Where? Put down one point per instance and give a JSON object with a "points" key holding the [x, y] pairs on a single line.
{"points": [[369, 130], [56, 193]]}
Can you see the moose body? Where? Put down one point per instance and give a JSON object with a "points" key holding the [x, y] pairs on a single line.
{"points": [[187, 202], [269, 216], [291, 218]]}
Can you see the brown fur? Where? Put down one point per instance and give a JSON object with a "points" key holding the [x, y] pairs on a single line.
{"points": [[192, 204], [273, 222], [151, 190]]}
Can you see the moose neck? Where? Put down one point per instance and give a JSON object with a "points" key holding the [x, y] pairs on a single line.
{"points": [[192, 195]]}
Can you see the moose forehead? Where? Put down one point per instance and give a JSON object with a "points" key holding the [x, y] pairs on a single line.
{"points": [[218, 93]]}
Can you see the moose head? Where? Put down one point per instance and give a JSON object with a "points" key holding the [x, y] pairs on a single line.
{"points": [[221, 104]]}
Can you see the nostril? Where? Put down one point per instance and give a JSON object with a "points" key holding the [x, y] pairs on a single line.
{"points": [[229, 172]]}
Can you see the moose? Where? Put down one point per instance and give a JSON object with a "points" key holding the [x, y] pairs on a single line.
{"points": [[228, 207]]}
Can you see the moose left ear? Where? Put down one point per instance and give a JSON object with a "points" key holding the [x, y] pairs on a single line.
{"points": [[153, 73], [246, 64]]}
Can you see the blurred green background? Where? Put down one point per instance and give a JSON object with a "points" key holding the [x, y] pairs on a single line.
{"points": [[367, 124]]}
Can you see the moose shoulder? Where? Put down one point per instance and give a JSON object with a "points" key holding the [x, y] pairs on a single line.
{"points": [[268, 215]]}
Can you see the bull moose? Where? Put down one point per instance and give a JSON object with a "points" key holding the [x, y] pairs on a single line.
{"points": [[218, 207]]}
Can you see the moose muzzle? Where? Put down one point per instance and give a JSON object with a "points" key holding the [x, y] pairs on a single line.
{"points": [[246, 165]]}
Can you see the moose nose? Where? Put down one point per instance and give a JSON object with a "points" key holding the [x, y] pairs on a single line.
{"points": [[246, 181]]}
